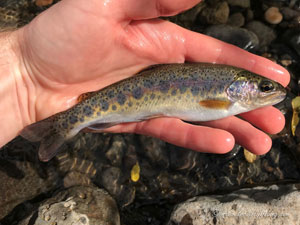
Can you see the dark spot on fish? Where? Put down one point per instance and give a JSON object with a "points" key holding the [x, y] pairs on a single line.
{"points": [[129, 104], [64, 125], [87, 110], [173, 92], [111, 94], [73, 119], [137, 93], [114, 107], [195, 90], [146, 98], [81, 119], [121, 98], [182, 89], [93, 101], [148, 83], [104, 105], [164, 86], [126, 88], [152, 96]]}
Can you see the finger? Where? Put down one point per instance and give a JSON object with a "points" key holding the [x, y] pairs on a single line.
{"points": [[178, 44], [269, 119], [204, 48], [145, 9], [244, 133], [177, 132]]}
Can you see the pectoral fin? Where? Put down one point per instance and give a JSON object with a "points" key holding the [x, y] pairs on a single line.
{"points": [[215, 104]]}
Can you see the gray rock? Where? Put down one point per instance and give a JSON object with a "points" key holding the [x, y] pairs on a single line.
{"points": [[261, 205], [264, 33], [236, 20], [289, 13], [78, 205], [240, 3], [218, 14], [234, 35]]}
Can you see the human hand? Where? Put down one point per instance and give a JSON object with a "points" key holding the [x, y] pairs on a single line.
{"points": [[78, 46]]}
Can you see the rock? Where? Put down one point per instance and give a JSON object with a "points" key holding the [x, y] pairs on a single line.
{"points": [[289, 13], [264, 33], [214, 15], [273, 16], [240, 3], [236, 20], [292, 37], [78, 205], [249, 15], [260, 205], [234, 35]]}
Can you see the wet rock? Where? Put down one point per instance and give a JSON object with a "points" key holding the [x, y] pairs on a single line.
{"points": [[295, 42], [218, 14], [236, 20], [289, 13], [264, 33], [292, 37], [237, 36], [260, 205], [249, 15], [78, 205], [273, 16], [240, 3]]}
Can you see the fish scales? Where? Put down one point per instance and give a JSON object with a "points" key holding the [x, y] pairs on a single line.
{"points": [[192, 92]]}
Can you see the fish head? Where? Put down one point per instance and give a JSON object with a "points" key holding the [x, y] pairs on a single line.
{"points": [[253, 91]]}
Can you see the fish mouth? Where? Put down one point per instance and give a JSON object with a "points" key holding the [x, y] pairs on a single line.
{"points": [[277, 96]]}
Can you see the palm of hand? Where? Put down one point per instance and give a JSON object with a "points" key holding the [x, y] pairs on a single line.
{"points": [[80, 46]]}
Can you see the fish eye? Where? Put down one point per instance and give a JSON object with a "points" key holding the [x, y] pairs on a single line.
{"points": [[266, 86]]}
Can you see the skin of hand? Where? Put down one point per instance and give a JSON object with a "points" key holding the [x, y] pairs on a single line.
{"points": [[78, 46]]}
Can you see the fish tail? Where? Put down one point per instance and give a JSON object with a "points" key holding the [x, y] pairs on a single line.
{"points": [[44, 132]]}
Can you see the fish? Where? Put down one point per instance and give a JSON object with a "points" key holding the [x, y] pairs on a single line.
{"points": [[188, 91]]}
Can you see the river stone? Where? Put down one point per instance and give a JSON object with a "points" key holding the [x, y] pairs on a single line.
{"points": [[78, 205], [218, 14], [236, 20], [240, 3], [292, 37], [289, 13], [264, 33], [273, 15], [234, 35], [260, 205]]}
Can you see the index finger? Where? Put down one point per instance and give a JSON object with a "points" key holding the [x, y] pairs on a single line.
{"points": [[200, 47]]}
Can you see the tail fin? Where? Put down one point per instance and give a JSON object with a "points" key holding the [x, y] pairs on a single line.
{"points": [[43, 131]]}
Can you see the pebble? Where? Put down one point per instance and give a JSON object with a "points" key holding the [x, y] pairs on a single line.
{"points": [[234, 35], [260, 205], [99, 208], [240, 3], [273, 15], [289, 13], [214, 15], [236, 20], [264, 33]]}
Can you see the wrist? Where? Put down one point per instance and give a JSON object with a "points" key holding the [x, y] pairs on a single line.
{"points": [[15, 85]]}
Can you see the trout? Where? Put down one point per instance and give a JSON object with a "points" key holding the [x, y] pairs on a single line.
{"points": [[189, 91]]}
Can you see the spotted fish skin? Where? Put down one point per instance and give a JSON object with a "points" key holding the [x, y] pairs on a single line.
{"points": [[192, 92]]}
